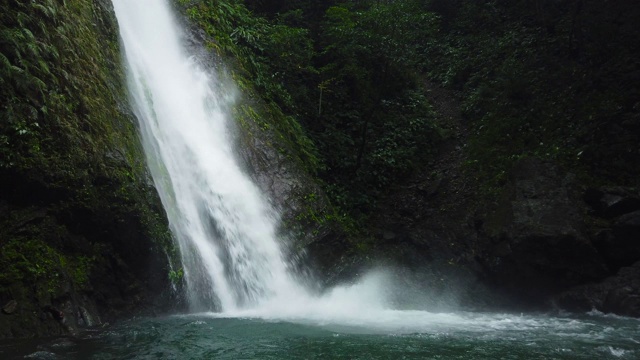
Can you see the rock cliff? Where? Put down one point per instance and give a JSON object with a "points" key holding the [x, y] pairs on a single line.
{"points": [[83, 237]]}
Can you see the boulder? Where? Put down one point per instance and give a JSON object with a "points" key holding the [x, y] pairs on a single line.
{"points": [[612, 202], [627, 232], [618, 294], [536, 241], [620, 244]]}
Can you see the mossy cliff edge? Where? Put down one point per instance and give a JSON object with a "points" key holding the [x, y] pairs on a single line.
{"points": [[83, 237]]}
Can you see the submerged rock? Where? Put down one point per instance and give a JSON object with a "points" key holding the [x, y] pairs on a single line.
{"points": [[86, 318]]}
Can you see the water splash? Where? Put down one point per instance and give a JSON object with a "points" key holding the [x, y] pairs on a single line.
{"points": [[225, 229]]}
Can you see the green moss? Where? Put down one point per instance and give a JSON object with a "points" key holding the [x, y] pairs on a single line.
{"points": [[312, 215], [239, 37], [34, 261], [176, 277], [81, 128], [70, 148], [537, 86]]}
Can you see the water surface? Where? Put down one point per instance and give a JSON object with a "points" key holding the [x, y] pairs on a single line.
{"points": [[413, 335]]}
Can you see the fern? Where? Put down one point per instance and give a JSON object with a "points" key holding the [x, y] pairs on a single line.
{"points": [[23, 19], [43, 9], [6, 64], [44, 67]]}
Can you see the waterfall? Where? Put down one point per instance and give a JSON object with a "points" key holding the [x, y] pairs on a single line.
{"points": [[225, 229]]}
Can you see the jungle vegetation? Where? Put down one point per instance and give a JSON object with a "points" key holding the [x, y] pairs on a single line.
{"points": [[553, 79]]}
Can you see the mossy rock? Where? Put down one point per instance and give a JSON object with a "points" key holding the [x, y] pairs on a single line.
{"points": [[81, 224]]}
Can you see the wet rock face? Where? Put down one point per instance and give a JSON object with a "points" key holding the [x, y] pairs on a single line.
{"points": [[56, 281], [623, 301], [83, 238], [616, 213], [536, 239], [625, 246], [544, 240], [617, 238], [314, 239]]}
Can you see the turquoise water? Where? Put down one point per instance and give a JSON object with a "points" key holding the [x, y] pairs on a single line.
{"points": [[448, 336]]}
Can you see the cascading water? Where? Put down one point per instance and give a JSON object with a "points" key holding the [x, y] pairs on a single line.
{"points": [[233, 263], [225, 229]]}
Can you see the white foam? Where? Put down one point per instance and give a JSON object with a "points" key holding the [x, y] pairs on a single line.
{"points": [[233, 261], [615, 351], [224, 226]]}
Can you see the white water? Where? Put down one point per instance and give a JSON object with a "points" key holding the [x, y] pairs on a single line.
{"points": [[224, 227], [232, 259]]}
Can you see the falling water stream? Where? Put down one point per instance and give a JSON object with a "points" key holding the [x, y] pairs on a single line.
{"points": [[245, 301], [225, 229]]}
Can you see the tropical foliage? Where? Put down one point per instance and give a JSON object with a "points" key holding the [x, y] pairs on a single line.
{"points": [[346, 72], [551, 79], [71, 166]]}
